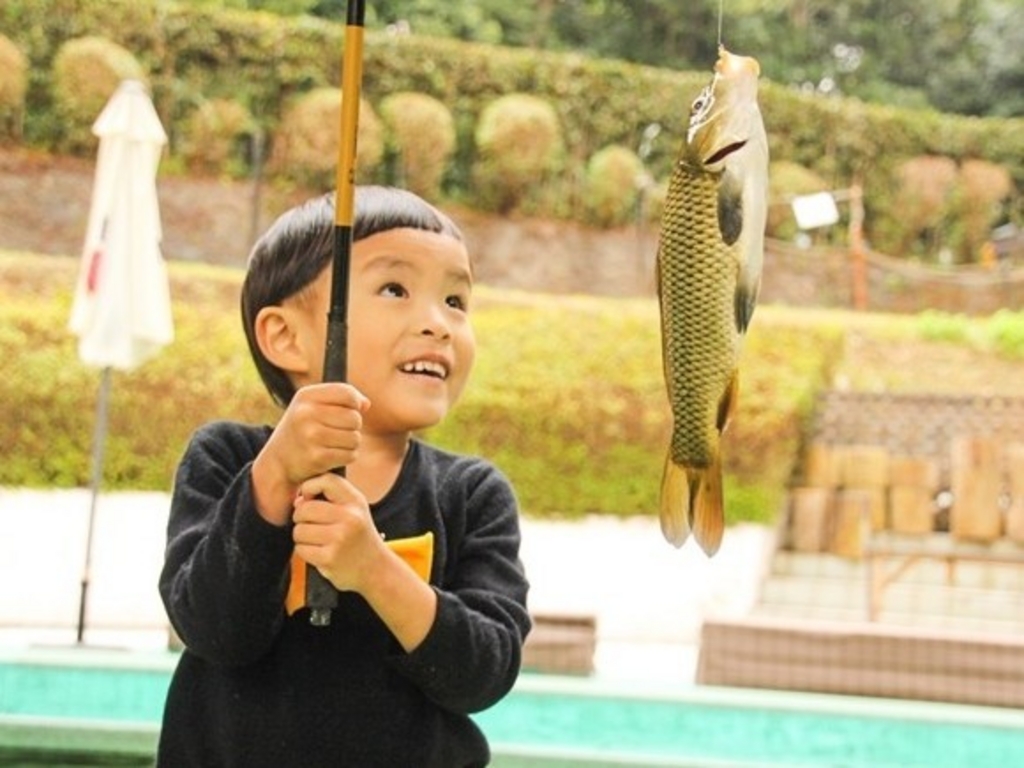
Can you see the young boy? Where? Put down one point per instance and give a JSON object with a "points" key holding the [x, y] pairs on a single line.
{"points": [[391, 681]]}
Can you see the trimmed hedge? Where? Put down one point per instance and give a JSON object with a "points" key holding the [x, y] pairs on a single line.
{"points": [[613, 178], [307, 141], [422, 138], [262, 60], [86, 72], [567, 395], [519, 145], [13, 82]]}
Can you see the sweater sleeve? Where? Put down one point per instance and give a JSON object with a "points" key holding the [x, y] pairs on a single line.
{"points": [[226, 568], [471, 657]]}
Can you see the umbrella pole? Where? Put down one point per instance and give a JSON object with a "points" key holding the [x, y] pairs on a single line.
{"points": [[321, 596], [98, 441]]}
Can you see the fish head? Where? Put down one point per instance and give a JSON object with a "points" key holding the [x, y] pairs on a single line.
{"points": [[725, 116]]}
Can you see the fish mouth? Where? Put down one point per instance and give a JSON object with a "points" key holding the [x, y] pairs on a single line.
{"points": [[721, 115], [725, 151], [425, 366]]}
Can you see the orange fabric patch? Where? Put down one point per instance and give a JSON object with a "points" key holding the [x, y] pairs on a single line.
{"points": [[416, 551], [296, 597]]}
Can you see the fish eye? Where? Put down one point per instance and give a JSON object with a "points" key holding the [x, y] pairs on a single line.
{"points": [[703, 102]]}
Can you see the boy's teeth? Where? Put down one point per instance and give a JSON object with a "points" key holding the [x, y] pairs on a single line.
{"points": [[424, 366]]}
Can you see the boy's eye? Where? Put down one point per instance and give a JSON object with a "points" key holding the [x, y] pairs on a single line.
{"points": [[458, 302], [394, 290]]}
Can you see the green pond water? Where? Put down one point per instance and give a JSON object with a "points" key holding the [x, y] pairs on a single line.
{"points": [[108, 713]]}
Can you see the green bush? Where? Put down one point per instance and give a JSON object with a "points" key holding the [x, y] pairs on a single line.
{"points": [[263, 62], [613, 178], [13, 83], [519, 145], [86, 72], [1001, 333], [933, 325], [422, 134], [42, 27], [48, 410], [212, 134], [1005, 331], [982, 189], [306, 143], [567, 396]]}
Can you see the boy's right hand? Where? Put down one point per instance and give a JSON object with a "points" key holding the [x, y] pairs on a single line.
{"points": [[318, 432]]}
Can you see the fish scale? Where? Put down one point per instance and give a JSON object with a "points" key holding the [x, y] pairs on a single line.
{"points": [[698, 276]]}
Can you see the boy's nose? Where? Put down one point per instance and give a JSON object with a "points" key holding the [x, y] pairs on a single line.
{"points": [[435, 324]]}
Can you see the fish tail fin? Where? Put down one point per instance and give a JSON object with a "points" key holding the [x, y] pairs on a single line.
{"points": [[708, 504], [692, 502], [675, 509]]}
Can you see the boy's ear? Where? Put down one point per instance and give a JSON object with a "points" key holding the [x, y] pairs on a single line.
{"points": [[277, 333]]}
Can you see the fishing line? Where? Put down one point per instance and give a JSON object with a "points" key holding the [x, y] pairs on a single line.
{"points": [[721, 13]]}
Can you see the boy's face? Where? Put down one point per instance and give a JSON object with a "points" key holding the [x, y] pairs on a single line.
{"points": [[410, 343]]}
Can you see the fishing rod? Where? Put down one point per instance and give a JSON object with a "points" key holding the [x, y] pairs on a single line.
{"points": [[321, 596]]}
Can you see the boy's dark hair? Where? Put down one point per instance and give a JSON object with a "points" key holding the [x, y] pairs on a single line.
{"points": [[297, 247]]}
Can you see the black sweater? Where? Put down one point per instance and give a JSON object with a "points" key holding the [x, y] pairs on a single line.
{"points": [[255, 687]]}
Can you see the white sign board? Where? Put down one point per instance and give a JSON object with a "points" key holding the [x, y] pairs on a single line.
{"points": [[817, 210]]}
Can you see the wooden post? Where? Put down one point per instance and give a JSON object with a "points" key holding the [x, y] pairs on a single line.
{"points": [[912, 486], [866, 470], [858, 263], [1014, 454], [911, 509], [976, 487], [811, 509], [865, 466], [822, 466], [852, 508]]}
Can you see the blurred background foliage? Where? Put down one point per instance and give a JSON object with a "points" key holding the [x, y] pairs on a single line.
{"points": [[962, 56], [853, 92], [457, 96], [567, 395], [564, 396]]}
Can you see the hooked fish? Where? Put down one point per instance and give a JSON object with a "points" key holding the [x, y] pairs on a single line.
{"points": [[710, 252]]}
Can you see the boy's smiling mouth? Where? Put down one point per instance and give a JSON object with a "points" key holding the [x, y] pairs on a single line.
{"points": [[432, 368]]}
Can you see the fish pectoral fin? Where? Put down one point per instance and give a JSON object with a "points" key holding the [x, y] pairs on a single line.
{"points": [[745, 300], [730, 207], [728, 404]]}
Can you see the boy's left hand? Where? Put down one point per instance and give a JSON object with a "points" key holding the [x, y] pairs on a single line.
{"points": [[334, 531]]}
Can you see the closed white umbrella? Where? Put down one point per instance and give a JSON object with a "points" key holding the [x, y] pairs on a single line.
{"points": [[122, 307]]}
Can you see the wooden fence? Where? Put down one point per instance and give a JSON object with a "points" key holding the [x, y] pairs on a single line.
{"points": [[910, 465]]}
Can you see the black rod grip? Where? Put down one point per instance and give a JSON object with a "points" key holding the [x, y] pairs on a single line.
{"points": [[321, 596]]}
